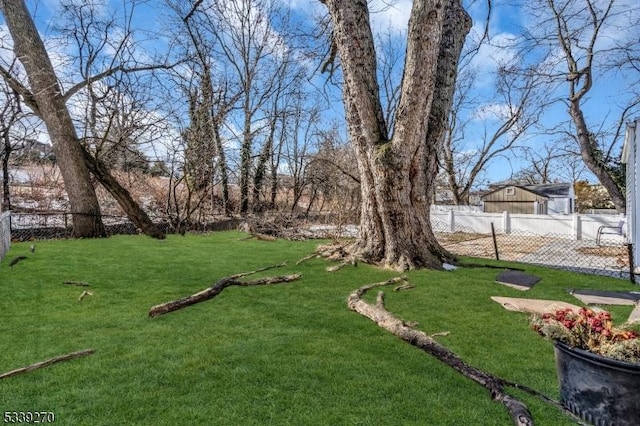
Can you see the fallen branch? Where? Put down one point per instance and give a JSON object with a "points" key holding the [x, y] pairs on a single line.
{"points": [[217, 288], [84, 294], [77, 283], [335, 268], [16, 259], [264, 237], [307, 257], [47, 363], [260, 237], [403, 287], [518, 410]]}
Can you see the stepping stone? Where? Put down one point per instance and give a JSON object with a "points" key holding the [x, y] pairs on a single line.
{"points": [[634, 318], [601, 297], [533, 306], [518, 280]]}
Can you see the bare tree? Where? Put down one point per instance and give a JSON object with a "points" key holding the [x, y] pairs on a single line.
{"points": [[113, 94], [255, 53], [331, 176], [551, 162], [44, 96], [92, 38], [13, 133], [582, 44], [301, 135], [211, 96], [507, 116], [398, 169]]}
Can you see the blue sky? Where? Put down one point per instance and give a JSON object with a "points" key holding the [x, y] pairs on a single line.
{"points": [[506, 21]]}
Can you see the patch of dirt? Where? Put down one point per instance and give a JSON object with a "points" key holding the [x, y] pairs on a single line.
{"points": [[510, 247], [457, 237], [604, 251]]}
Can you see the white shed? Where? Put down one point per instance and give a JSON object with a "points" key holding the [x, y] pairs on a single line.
{"points": [[631, 158]]}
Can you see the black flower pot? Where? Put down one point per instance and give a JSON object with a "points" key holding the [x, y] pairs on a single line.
{"points": [[602, 391]]}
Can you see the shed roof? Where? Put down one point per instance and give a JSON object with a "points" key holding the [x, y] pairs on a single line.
{"points": [[550, 190], [523, 187]]}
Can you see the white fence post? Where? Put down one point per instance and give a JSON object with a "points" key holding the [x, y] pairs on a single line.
{"points": [[452, 221], [577, 227], [5, 233], [506, 222]]}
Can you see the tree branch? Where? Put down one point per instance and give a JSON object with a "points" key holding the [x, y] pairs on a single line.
{"points": [[21, 89], [120, 68], [518, 410], [220, 285], [47, 363]]}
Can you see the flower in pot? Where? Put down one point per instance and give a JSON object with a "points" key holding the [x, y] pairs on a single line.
{"points": [[598, 365], [591, 331]]}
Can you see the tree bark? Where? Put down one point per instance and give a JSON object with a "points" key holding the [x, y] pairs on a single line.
{"points": [[518, 410], [6, 154], [51, 108], [397, 173], [589, 157], [132, 209]]}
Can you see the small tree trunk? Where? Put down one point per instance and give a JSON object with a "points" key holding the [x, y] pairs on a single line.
{"points": [[6, 153], [133, 210], [245, 158], [261, 167], [590, 159], [222, 165]]}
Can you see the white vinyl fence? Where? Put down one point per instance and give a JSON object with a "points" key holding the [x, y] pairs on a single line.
{"points": [[5, 233], [576, 226]]}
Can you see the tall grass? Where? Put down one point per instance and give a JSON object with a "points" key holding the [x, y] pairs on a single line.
{"points": [[287, 354]]}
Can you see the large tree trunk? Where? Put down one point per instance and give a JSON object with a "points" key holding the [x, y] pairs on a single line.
{"points": [[397, 173], [51, 108]]}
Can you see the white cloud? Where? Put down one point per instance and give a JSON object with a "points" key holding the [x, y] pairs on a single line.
{"points": [[386, 15], [493, 111]]}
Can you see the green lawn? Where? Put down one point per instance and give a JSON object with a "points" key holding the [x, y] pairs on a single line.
{"points": [[287, 354]]}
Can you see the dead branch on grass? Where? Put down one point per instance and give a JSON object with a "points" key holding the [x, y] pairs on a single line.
{"points": [[15, 260], [518, 410], [47, 363], [220, 285], [84, 294], [307, 257], [77, 283]]}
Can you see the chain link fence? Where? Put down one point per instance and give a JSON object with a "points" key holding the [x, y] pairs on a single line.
{"points": [[605, 256], [53, 225], [50, 225], [609, 255]]}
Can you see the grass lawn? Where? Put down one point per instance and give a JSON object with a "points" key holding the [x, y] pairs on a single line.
{"points": [[287, 354]]}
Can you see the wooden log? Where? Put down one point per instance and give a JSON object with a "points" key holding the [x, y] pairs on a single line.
{"points": [[47, 363], [213, 291], [518, 410]]}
